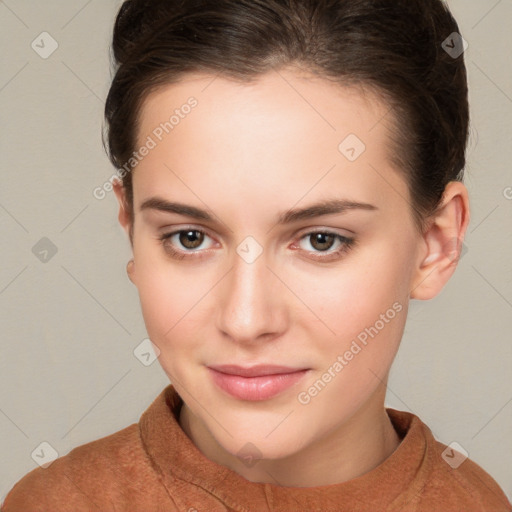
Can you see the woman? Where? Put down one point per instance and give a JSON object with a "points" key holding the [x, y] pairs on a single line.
{"points": [[290, 177]]}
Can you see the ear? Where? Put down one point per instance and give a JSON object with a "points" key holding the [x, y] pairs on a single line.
{"points": [[442, 243], [124, 209], [126, 223]]}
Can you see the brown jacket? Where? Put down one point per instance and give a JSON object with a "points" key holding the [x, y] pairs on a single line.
{"points": [[153, 466]]}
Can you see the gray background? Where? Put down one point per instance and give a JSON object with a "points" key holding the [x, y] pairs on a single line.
{"points": [[69, 325]]}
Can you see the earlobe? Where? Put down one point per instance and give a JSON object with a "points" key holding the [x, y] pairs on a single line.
{"points": [[442, 243], [130, 270]]}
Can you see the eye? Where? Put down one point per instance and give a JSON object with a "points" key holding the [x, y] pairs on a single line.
{"points": [[187, 243], [323, 241], [189, 239]]}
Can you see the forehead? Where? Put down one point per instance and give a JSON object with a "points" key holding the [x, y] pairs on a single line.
{"points": [[284, 134], [290, 94]]}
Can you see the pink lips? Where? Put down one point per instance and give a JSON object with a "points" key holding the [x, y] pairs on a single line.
{"points": [[259, 382]]}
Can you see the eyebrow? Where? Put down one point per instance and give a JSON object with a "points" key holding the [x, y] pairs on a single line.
{"points": [[325, 207]]}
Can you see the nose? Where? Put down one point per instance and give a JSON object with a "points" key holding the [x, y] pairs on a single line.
{"points": [[252, 302]]}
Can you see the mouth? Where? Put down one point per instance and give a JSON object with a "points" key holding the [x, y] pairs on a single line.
{"points": [[255, 383]]}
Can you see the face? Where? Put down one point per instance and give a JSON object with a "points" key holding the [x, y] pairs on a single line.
{"points": [[251, 281]]}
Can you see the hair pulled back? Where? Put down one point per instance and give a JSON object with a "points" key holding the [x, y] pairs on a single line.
{"points": [[393, 47]]}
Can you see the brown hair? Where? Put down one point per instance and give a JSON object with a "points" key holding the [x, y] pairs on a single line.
{"points": [[393, 47]]}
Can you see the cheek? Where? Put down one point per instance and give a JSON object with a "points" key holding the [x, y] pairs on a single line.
{"points": [[355, 295], [367, 311], [167, 303], [172, 298], [363, 309], [159, 291]]}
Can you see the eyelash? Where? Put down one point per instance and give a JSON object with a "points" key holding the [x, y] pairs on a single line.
{"points": [[347, 244]]}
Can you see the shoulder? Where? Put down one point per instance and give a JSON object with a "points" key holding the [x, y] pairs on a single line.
{"points": [[441, 479], [461, 480], [112, 464]]}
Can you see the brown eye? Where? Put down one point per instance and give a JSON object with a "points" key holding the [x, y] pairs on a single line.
{"points": [[191, 239], [184, 243], [324, 247], [322, 241]]}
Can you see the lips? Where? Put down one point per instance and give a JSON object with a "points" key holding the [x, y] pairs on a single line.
{"points": [[255, 383], [254, 371]]}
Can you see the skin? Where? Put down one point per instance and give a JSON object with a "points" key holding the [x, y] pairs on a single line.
{"points": [[246, 154]]}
